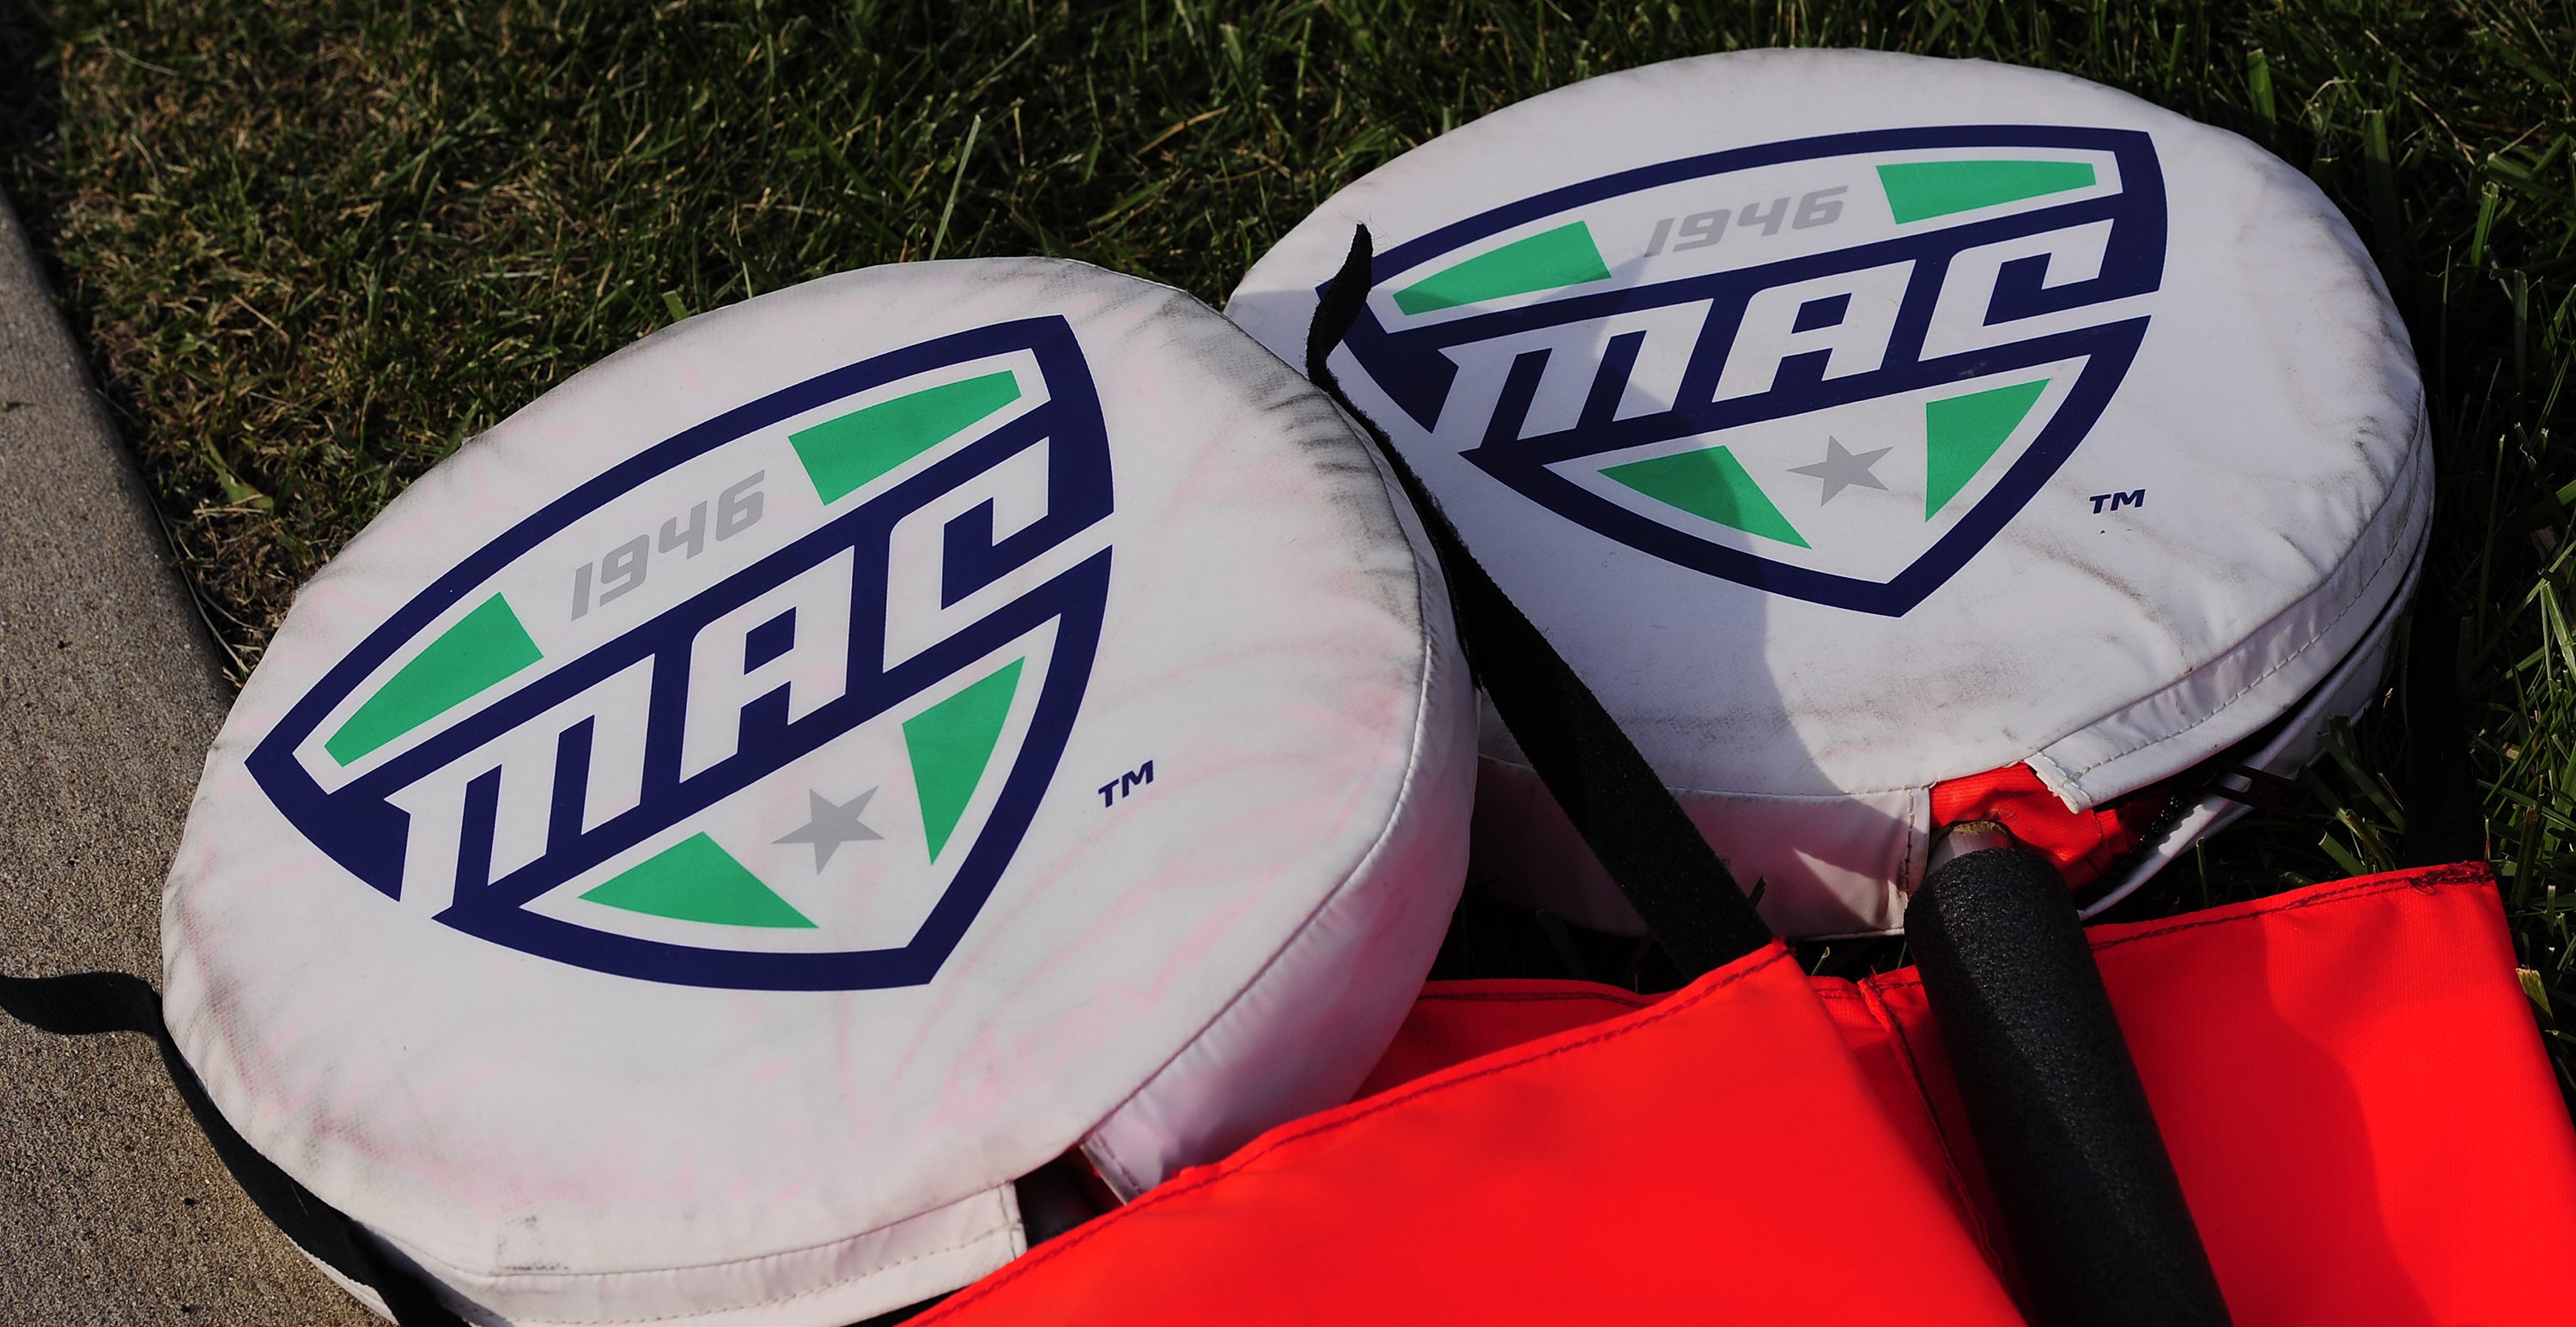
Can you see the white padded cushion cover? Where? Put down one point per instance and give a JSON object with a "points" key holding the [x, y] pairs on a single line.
{"points": [[1856, 421], [944, 716]]}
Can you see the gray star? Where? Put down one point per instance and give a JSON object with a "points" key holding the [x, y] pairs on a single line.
{"points": [[830, 825], [1842, 469]]}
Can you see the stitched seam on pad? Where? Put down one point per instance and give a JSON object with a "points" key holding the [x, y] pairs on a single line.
{"points": [[2422, 435], [723, 1264], [2376, 572], [499, 1279], [1106, 1155], [1442, 1082], [846, 1282], [863, 1277]]}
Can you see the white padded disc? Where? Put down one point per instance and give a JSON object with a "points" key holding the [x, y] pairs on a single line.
{"points": [[713, 834], [1854, 422]]}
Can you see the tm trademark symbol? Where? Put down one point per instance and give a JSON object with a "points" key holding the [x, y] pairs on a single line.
{"points": [[2102, 502], [1125, 785]]}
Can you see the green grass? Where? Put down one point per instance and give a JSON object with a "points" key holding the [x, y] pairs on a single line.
{"points": [[312, 246]]}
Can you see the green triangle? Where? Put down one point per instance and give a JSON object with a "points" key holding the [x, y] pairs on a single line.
{"points": [[844, 455], [1920, 189], [484, 647], [951, 743], [696, 880], [1960, 435], [1711, 484], [1565, 256]]}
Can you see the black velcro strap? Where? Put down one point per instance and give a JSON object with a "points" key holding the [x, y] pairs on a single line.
{"points": [[86, 1003], [1617, 802]]}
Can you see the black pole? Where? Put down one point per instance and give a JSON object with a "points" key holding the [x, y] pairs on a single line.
{"points": [[2088, 1195]]}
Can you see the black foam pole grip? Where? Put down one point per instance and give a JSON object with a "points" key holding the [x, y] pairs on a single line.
{"points": [[2086, 1191]]}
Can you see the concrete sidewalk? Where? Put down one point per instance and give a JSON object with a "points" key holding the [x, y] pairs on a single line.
{"points": [[113, 1209]]}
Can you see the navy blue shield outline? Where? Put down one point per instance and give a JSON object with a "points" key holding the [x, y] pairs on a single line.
{"points": [[362, 830], [1411, 368]]}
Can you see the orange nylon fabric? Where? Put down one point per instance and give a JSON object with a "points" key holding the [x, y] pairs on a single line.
{"points": [[2084, 844], [1715, 1158], [1454, 1021], [2357, 1100], [2347, 1076]]}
